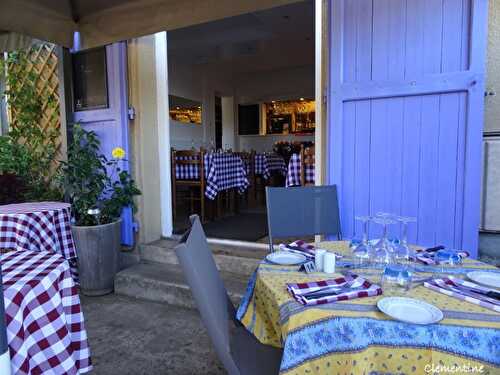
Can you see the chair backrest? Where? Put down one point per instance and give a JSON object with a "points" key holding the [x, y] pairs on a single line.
{"points": [[248, 159], [189, 158], [302, 211], [212, 300], [307, 159]]}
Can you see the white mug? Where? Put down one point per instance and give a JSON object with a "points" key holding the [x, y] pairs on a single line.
{"points": [[318, 259], [329, 262]]}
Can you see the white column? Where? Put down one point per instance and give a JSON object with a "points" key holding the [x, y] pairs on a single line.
{"points": [[163, 117]]}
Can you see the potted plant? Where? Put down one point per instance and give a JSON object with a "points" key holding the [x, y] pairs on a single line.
{"points": [[98, 189]]}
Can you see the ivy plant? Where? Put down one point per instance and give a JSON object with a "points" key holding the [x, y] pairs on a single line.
{"points": [[29, 151]]}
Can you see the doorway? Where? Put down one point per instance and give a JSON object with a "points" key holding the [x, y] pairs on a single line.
{"points": [[249, 85]]}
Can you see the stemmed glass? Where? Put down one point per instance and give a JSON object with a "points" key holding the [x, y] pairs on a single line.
{"points": [[402, 251], [363, 251], [383, 251], [447, 257]]}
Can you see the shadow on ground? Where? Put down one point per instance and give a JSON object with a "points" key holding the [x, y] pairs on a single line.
{"points": [[129, 336]]}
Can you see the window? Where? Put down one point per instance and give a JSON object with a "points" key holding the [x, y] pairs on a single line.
{"points": [[90, 80]]}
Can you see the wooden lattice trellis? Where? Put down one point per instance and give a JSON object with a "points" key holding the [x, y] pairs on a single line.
{"points": [[43, 61]]}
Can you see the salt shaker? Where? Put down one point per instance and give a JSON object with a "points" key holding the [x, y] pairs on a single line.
{"points": [[319, 254], [329, 262]]}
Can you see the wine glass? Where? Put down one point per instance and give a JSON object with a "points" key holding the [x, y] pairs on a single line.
{"points": [[383, 251], [402, 251], [447, 257], [363, 251]]}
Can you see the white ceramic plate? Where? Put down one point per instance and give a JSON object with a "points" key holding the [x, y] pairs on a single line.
{"points": [[410, 310], [490, 279], [285, 258]]}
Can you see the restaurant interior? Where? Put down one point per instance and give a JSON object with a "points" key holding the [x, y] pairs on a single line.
{"points": [[241, 98]]}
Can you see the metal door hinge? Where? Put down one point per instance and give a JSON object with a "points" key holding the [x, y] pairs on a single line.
{"points": [[131, 113]]}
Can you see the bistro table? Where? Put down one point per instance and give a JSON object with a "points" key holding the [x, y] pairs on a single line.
{"points": [[39, 226], [293, 173], [223, 171], [45, 327], [267, 163], [354, 337]]}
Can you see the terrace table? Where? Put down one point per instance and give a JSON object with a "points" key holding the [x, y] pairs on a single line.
{"points": [[45, 326], [223, 171], [354, 337], [293, 173], [39, 226], [267, 163]]}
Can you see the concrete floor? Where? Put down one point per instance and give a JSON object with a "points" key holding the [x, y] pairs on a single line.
{"points": [[128, 336]]}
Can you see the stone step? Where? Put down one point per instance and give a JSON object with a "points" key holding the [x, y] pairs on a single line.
{"points": [[163, 282], [233, 259]]}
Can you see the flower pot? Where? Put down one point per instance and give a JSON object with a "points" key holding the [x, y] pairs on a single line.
{"points": [[97, 248]]}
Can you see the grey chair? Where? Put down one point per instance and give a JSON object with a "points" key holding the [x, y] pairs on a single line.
{"points": [[239, 351], [302, 211]]}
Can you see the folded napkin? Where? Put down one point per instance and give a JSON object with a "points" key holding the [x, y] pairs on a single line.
{"points": [[466, 291], [302, 247], [342, 288], [426, 256]]}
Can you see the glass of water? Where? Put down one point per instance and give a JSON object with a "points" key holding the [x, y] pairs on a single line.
{"points": [[396, 278]]}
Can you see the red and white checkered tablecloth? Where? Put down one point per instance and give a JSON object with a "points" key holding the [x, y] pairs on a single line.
{"points": [[293, 174], [45, 326], [39, 226]]}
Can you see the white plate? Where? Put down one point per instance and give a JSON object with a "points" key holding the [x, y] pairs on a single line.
{"points": [[410, 310], [490, 279], [285, 258]]}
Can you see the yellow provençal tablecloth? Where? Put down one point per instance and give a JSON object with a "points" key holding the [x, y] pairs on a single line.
{"points": [[354, 337]]}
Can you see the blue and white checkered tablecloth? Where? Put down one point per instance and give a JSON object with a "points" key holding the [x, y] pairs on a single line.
{"points": [[266, 163], [293, 174], [223, 171], [191, 171]]}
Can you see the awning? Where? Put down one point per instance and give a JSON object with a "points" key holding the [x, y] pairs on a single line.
{"points": [[101, 22]]}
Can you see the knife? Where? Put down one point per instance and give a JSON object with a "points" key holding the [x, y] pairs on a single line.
{"points": [[490, 293], [332, 292]]}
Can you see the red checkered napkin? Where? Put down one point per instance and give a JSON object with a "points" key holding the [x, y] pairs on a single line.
{"points": [[298, 290], [449, 286]]}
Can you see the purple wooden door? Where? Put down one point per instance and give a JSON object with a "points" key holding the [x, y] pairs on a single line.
{"points": [[406, 113], [111, 122]]}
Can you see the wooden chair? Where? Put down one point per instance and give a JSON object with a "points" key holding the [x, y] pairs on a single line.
{"points": [[189, 158], [306, 162]]}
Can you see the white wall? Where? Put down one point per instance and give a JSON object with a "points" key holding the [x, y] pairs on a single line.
{"points": [[201, 84], [261, 143], [290, 83], [196, 83], [144, 136], [261, 87], [188, 84], [228, 122], [492, 103]]}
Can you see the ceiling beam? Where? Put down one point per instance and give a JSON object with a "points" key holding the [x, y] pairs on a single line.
{"points": [[138, 18]]}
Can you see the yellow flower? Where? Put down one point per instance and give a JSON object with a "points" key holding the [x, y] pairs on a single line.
{"points": [[118, 153]]}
